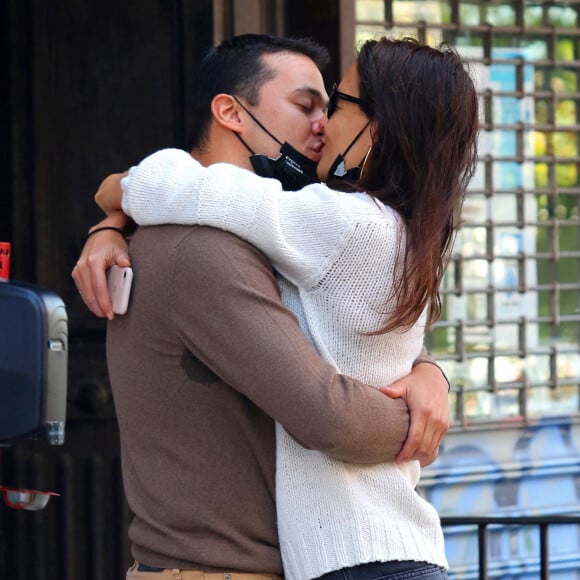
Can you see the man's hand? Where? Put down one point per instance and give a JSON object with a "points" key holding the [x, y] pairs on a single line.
{"points": [[101, 251], [425, 391]]}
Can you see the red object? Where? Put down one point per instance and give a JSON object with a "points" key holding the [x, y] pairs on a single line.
{"points": [[4, 260], [26, 499]]}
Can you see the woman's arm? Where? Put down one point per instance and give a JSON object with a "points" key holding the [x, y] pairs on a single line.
{"points": [[101, 251], [152, 203], [301, 232], [109, 194]]}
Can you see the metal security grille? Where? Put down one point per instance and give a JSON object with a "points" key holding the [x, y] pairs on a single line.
{"points": [[509, 335]]}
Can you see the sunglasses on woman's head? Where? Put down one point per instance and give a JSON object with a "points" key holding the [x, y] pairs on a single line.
{"points": [[335, 95]]}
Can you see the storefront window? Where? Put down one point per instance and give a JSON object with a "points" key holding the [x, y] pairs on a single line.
{"points": [[510, 332]]}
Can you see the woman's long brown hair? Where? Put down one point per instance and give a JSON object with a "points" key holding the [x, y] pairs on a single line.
{"points": [[424, 117]]}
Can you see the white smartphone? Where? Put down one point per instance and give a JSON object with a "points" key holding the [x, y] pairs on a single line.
{"points": [[119, 282]]}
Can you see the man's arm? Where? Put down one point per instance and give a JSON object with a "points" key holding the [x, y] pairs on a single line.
{"points": [[236, 324], [424, 390]]}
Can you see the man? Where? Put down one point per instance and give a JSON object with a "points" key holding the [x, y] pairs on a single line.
{"points": [[207, 357]]}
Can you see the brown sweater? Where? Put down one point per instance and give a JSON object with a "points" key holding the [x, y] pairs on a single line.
{"points": [[205, 360]]}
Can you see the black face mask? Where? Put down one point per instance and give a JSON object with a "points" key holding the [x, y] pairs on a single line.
{"points": [[292, 169], [338, 169]]}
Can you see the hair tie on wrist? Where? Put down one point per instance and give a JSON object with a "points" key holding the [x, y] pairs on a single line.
{"points": [[103, 228]]}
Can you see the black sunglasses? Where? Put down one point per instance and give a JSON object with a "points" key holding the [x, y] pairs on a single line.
{"points": [[335, 94]]}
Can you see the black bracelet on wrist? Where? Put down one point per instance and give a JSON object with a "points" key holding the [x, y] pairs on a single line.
{"points": [[103, 228]]}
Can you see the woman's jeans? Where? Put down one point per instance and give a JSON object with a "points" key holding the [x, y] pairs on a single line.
{"points": [[389, 571]]}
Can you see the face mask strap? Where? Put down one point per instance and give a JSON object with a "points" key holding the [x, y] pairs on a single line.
{"points": [[244, 143], [256, 121], [338, 168], [356, 139], [293, 169]]}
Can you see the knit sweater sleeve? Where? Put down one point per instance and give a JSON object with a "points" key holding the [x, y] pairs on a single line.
{"points": [[301, 232]]}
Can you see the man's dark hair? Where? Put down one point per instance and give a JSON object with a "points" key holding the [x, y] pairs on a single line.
{"points": [[236, 67]]}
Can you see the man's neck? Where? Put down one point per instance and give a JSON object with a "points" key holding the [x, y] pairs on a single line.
{"points": [[223, 151], [202, 156]]}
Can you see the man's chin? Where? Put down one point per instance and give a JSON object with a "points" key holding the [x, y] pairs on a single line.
{"points": [[315, 154]]}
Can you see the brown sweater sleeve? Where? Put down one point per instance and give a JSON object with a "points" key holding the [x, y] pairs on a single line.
{"points": [[239, 328], [425, 357]]}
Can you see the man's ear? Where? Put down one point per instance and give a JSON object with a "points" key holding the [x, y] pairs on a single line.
{"points": [[226, 112]]}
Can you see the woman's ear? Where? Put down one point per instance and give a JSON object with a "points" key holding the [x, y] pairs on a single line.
{"points": [[226, 112]]}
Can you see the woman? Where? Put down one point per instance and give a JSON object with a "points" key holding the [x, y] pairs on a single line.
{"points": [[361, 265]]}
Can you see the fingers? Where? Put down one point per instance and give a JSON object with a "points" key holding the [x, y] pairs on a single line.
{"points": [[100, 252], [425, 392], [90, 280], [123, 260], [428, 459], [425, 435], [393, 391]]}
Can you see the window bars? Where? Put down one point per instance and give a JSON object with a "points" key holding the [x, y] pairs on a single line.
{"points": [[509, 335]]}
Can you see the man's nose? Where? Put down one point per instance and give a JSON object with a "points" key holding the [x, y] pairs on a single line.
{"points": [[318, 127]]}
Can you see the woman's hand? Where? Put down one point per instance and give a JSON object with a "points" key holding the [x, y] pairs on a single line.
{"points": [[101, 251]]}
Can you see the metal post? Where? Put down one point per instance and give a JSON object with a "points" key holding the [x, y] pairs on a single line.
{"points": [[544, 552], [482, 545]]}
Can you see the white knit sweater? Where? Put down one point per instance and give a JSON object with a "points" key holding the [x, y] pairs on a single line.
{"points": [[336, 255]]}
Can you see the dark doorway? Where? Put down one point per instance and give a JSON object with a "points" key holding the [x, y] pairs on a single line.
{"points": [[86, 88]]}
